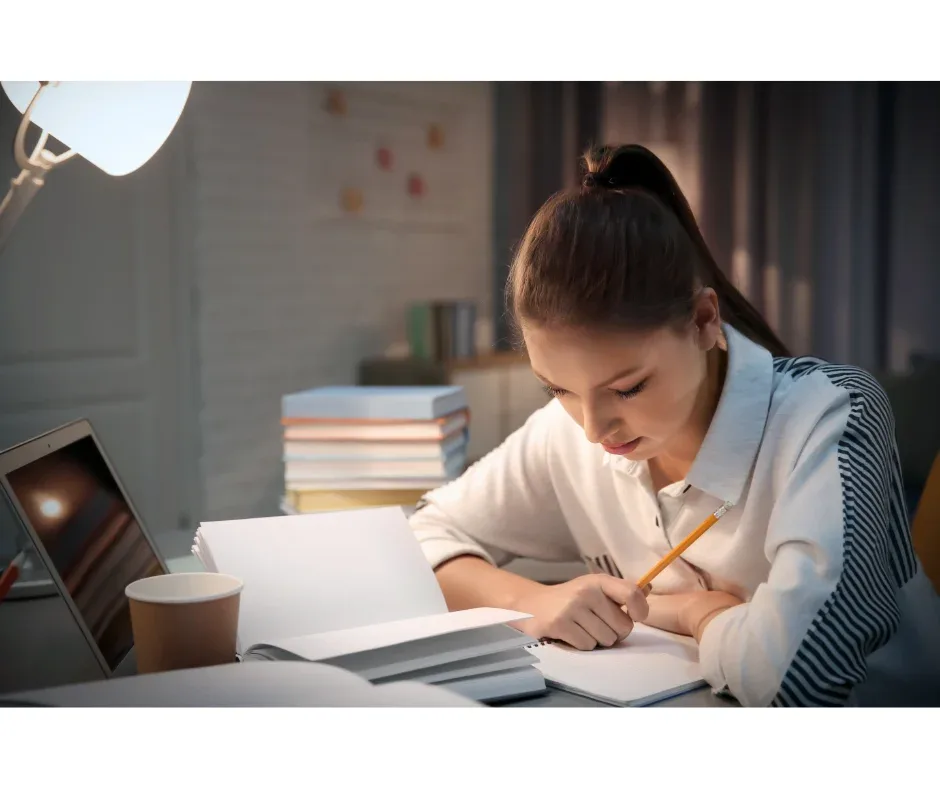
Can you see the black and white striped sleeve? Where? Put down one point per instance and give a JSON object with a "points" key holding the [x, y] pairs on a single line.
{"points": [[839, 548]]}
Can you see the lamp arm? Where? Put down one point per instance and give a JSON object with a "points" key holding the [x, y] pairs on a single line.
{"points": [[22, 190], [32, 176]]}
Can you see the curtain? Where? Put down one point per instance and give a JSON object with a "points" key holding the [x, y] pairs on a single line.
{"points": [[796, 203], [541, 129]]}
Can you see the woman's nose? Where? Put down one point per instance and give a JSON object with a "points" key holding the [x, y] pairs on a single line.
{"points": [[597, 424]]}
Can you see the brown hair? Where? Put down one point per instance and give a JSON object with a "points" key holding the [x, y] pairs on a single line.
{"points": [[622, 250]]}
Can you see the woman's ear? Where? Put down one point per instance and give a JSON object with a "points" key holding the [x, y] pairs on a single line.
{"points": [[706, 318]]}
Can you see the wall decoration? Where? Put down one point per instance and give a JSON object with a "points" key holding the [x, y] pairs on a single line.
{"points": [[351, 200], [388, 155], [384, 158], [435, 136], [335, 103], [416, 185]]}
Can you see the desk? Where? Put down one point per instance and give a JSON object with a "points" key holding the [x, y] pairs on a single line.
{"points": [[41, 646]]}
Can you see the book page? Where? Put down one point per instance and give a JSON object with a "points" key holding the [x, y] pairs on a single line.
{"points": [[464, 668], [328, 645], [313, 573]]}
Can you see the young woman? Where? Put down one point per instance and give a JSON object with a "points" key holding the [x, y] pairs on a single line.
{"points": [[672, 396]]}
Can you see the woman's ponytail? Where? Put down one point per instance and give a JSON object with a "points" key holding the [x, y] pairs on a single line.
{"points": [[635, 168]]}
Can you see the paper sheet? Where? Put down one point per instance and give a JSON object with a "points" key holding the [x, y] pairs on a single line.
{"points": [[328, 645], [648, 664], [313, 573]]}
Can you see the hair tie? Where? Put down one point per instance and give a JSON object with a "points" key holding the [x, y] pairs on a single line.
{"points": [[596, 180]]}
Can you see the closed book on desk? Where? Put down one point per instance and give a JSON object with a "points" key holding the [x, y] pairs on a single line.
{"points": [[353, 589], [647, 667]]}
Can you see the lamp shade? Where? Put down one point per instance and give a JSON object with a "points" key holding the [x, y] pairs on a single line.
{"points": [[117, 126]]}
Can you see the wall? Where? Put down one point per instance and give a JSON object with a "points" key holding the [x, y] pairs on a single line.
{"points": [[291, 292]]}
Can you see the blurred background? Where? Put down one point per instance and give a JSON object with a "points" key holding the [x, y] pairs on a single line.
{"points": [[295, 235]]}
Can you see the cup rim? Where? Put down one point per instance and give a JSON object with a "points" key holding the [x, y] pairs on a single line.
{"points": [[139, 595]]}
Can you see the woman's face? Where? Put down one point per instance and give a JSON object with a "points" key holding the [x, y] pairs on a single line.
{"points": [[636, 394]]}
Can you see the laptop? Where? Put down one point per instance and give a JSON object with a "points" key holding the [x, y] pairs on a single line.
{"points": [[86, 531]]}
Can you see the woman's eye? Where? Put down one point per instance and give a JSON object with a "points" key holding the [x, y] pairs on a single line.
{"points": [[556, 392], [632, 392]]}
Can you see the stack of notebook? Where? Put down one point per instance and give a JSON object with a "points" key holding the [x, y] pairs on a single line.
{"points": [[360, 446]]}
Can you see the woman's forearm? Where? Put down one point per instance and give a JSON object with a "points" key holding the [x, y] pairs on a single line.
{"points": [[664, 612], [468, 581], [687, 613]]}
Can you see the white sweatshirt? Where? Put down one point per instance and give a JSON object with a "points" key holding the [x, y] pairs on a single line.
{"points": [[837, 608]]}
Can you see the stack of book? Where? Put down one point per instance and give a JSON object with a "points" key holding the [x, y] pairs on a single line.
{"points": [[349, 447]]}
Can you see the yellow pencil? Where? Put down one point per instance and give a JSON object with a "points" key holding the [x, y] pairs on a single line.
{"points": [[676, 551]]}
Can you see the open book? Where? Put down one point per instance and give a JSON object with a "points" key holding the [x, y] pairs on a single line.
{"points": [[352, 589]]}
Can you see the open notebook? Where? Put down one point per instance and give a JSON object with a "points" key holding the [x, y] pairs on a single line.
{"points": [[647, 667], [352, 589]]}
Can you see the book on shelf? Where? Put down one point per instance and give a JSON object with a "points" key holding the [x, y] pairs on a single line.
{"points": [[310, 594], [442, 330]]}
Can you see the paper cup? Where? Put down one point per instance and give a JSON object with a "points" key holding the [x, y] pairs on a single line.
{"points": [[184, 620]]}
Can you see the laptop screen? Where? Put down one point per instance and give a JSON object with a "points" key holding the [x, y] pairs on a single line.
{"points": [[93, 540]]}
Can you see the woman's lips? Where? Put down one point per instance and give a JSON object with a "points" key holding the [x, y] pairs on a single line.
{"points": [[623, 448]]}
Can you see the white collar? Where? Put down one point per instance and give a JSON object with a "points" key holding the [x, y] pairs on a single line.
{"points": [[724, 462]]}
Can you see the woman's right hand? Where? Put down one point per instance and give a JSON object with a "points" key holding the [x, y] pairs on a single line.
{"points": [[585, 612]]}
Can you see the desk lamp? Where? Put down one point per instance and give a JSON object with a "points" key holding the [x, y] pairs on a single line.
{"points": [[118, 127]]}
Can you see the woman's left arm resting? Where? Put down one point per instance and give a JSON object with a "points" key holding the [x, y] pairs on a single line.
{"points": [[839, 550], [687, 613]]}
